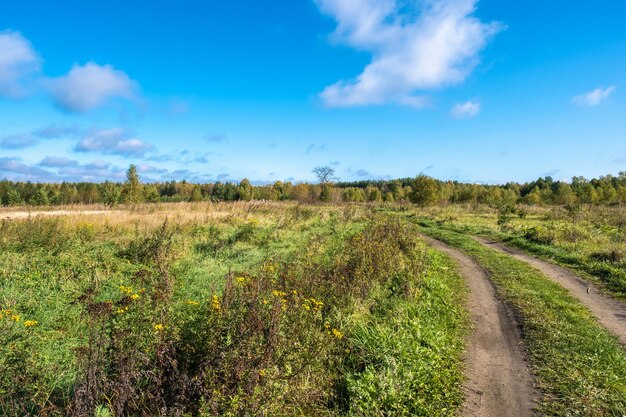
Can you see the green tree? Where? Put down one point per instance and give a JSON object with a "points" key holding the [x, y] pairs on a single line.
{"points": [[41, 197], [196, 194], [110, 193], [245, 190], [374, 194], [151, 194], [327, 192], [13, 198], [424, 191], [132, 191]]}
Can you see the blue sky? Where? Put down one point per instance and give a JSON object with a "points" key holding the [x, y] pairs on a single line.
{"points": [[484, 91]]}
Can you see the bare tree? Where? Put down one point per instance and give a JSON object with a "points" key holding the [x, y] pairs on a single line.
{"points": [[325, 174]]}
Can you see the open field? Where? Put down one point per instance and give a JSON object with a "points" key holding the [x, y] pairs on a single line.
{"points": [[227, 309], [268, 308]]}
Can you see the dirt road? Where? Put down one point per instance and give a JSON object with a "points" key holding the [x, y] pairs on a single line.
{"points": [[610, 312], [498, 380]]}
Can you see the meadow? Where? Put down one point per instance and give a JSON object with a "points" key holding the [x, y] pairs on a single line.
{"points": [[227, 309], [289, 309]]}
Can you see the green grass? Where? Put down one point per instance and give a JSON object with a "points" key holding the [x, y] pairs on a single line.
{"points": [[580, 367], [397, 305], [592, 242], [407, 355]]}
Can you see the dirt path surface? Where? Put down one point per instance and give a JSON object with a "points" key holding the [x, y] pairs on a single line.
{"points": [[498, 380], [25, 214], [610, 312]]}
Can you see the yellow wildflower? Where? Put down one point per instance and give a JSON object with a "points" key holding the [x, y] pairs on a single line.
{"points": [[215, 303], [192, 303], [241, 280], [15, 318], [337, 334], [134, 297], [29, 323], [122, 310], [158, 327], [262, 373], [126, 290], [327, 325], [279, 294]]}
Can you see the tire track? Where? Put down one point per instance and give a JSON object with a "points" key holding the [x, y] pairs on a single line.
{"points": [[610, 313], [498, 380]]}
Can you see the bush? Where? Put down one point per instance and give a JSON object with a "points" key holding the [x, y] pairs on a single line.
{"points": [[540, 235]]}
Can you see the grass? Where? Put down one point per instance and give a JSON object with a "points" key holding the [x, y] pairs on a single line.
{"points": [[407, 354], [580, 367], [227, 309], [591, 241]]}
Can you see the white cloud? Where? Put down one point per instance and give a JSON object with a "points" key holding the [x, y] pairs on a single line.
{"points": [[15, 166], [58, 162], [18, 62], [117, 141], [465, 110], [90, 86], [415, 47], [17, 141], [593, 98]]}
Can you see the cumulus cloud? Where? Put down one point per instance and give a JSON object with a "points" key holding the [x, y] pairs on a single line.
{"points": [[593, 98], [55, 131], [18, 62], [30, 139], [17, 141], [117, 141], [150, 169], [58, 162], [92, 171], [15, 166], [60, 169], [90, 86], [465, 110], [415, 47]]}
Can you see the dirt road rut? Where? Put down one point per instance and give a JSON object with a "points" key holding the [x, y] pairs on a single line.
{"points": [[498, 380], [609, 312]]}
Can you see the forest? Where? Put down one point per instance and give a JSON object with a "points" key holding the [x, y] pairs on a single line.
{"points": [[421, 190]]}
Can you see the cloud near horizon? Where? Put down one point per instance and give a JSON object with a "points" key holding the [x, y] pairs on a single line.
{"points": [[414, 48], [116, 141], [11, 165], [30, 139], [593, 98], [18, 63]]}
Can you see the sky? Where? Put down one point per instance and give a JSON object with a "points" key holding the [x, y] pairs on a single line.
{"points": [[484, 91]]}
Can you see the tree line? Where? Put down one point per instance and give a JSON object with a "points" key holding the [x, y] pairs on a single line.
{"points": [[421, 190]]}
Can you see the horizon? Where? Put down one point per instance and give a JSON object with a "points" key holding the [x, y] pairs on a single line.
{"points": [[460, 90]]}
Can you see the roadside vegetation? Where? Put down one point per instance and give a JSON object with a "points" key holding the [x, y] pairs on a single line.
{"points": [[580, 367], [227, 309], [588, 239]]}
